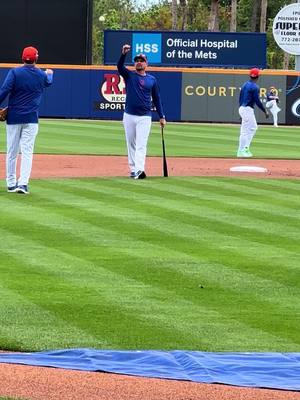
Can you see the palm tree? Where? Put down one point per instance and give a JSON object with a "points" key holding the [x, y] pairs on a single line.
{"points": [[263, 15], [174, 15], [233, 16], [213, 22], [255, 7], [183, 6]]}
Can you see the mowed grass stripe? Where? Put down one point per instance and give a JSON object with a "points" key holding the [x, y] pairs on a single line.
{"points": [[42, 252], [232, 206], [26, 324], [189, 226], [260, 247], [102, 307], [275, 256], [237, 211], [241, 226], [205, 189], [203, 140], [266, 238], [78, 137], [150, 313], [281, 186], [210, 204], [174, 227], [223, 136], [109, 189], [243, 191]]}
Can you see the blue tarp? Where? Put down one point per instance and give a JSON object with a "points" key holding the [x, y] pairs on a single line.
{"points": [[264, 370]]}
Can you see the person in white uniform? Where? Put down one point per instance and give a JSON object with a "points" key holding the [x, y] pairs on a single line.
{"points": [[24, 85], [272, 104], [141, 90]]}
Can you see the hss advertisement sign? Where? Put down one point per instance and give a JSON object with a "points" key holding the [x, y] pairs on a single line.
{"points": [[192, 49]]}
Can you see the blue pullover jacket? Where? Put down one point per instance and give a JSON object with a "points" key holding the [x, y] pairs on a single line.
{"points": [[139, 91], [249, 95], [25, 86]]}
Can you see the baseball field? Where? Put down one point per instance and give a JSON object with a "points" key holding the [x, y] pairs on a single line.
{"points": [[194, 263]]}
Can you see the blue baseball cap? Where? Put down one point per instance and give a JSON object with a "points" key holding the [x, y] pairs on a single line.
{"points": [[140, 56]]}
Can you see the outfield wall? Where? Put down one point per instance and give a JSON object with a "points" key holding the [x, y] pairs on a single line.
{"points": [[188, 94]]}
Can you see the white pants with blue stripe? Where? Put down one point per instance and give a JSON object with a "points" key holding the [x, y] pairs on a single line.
{"points": [[137, 130], [19, 137]]}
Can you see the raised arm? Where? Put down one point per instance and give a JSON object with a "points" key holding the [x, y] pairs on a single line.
{"points": [[49, 76], [121, 67]]}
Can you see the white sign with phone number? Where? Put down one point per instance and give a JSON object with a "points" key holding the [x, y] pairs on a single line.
{"points": [[286, 29]]}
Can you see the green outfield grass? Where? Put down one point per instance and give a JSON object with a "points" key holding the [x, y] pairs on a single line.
{"points": [[10, 398], [178, 263], [196, 140], [207, 264]]}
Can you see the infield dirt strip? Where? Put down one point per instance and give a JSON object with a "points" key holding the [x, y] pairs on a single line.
{"points": [[39, 383], [72, 166], [54, 166]]}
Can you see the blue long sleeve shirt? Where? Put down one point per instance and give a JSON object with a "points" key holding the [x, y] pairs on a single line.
{"points": [[249, 95], [140, 89], [25, 86]]}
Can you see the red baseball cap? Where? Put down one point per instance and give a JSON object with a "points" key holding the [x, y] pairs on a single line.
{"points": [[141, 56], [254, 73], [30, 54]]}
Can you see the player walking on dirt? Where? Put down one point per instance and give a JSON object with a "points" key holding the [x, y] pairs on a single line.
{"points": [[25, 86], [141, 89], [249, 96]]}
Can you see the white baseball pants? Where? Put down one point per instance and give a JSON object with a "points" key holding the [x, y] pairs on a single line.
{"points": [[19, 137], [248, 127], [137, 130]]}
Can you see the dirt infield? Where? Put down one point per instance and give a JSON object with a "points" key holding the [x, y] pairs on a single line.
{"points": [[37, 383], [58, 166], [46, 166]]}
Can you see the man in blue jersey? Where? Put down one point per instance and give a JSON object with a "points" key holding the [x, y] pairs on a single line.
{"points": [[24, 85], [249, 96], [141, 89]]}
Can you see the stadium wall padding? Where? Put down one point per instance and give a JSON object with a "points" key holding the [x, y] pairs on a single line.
{"points": [[188, 94]]}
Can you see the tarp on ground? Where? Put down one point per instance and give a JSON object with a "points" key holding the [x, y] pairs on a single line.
{"points": [[263, 370]]}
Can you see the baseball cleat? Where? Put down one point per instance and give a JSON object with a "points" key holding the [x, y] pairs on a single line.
{"points": [[246, 149], [12, 189], [132, 175], [244, 154], [23, 189], [140, 175]]}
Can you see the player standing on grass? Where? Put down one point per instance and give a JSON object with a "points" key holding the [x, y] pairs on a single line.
{"points": [[141, 89], [25, 86], [249, 96]]}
